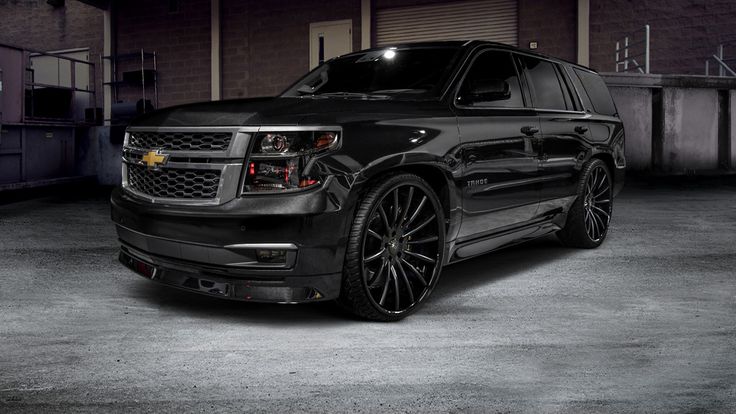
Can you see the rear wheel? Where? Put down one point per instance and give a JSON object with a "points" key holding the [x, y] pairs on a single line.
{"points": [[590, 215], [395, 249]]}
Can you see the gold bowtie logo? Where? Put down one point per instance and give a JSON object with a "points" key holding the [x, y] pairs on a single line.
{"points": [[154, 159]]}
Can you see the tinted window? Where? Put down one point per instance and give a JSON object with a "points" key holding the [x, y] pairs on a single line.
{"points": [[585, 100], [415, 72], [597, 92], [545, 84], [492, 68]]}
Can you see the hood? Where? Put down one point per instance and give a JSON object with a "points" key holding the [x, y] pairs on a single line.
{"points": [[281, 111]]}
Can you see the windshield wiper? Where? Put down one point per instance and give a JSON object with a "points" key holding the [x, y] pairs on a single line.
{"points": [[350, 95], [400, 91]]}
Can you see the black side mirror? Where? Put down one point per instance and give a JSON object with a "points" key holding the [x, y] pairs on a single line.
{"points": [[484, 90]]}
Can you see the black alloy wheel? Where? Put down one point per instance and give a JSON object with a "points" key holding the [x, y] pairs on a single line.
{"points": [[590, 215], [597, 204], [396, 249]]}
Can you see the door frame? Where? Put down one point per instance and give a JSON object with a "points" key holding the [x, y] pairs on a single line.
{"points": [[316, 26]]}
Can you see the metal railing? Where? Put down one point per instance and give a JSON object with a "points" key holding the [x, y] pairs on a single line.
{"points": [[721, 63], [626, 48], [59, 74]]}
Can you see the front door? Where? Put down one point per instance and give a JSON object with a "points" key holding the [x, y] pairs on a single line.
{"points": [[500, 147], [328, 40]]}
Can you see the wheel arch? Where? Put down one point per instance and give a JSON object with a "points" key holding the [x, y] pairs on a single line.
{"points": [[434, 171], [607, 158]]}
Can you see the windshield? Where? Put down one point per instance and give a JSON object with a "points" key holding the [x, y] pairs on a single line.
{"points": [[412, 72]]}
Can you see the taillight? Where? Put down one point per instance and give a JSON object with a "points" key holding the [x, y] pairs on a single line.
{"points": [[278, 159]]}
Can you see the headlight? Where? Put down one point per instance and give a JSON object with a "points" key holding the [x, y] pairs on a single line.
{"points": [[278, 159]]}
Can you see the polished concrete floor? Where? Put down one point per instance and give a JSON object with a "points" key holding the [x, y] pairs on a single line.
{"points": [[646, 323]]}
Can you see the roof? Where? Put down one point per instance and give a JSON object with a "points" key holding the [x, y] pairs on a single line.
{"points": [[472, 44]]}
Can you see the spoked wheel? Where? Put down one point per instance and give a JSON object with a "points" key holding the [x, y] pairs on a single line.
{"points": [[597, 204], [395, 250], [590, 215]]}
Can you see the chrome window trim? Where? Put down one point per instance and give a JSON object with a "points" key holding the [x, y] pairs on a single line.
{"points": [[561, 111]]}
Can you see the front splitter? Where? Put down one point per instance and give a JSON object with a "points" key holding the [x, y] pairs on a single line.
{"points": [[290, 289]]}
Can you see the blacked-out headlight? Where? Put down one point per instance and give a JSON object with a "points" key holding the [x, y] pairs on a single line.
{"points": [[278, 159]]}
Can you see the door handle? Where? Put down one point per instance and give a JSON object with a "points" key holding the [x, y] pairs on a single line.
{"points": [[529, 130], [581, 129]]}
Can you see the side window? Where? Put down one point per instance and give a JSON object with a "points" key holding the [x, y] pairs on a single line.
{"points": [[545, 85], [492, 81], [597, 92], [585, 100]]}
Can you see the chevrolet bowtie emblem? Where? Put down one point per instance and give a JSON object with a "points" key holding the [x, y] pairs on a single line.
{"points": [[154, 159]]}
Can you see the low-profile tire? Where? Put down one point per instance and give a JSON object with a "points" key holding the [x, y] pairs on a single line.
{"points": [[590, 215], [395, 249]]}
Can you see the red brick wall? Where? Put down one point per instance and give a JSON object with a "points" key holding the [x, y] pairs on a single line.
{"points": [[34, 24], [265, 44], [552, 24], [683, 32], [181, 40]]}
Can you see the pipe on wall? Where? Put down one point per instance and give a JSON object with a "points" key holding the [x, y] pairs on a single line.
{"points": [[215, 55], [365, 24], [584, 32]]}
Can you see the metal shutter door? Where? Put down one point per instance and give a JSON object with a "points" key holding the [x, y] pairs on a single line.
{"points": [[494, 20]]}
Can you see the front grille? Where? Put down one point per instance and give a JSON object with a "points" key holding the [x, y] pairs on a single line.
{"points": [[181, 141], [174, 183]]}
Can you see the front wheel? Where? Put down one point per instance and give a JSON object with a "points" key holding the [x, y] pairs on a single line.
{"points": [[395, 249], [590, 215]]}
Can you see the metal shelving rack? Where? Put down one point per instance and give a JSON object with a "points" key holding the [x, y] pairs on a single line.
{"points": [[146, 58]]}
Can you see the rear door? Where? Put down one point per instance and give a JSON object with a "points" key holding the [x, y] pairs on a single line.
{"points": [[500, 146], [565, 132]]}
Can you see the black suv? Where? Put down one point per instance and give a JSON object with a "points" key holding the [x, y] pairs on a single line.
{"points": [[368, 175]]}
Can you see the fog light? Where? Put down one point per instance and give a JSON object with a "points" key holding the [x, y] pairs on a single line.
{"points": [[271, 256]]}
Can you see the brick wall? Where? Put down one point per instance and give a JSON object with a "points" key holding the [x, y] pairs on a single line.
{"points": [[235, 49], [552, 24], [34, 24], [265, 45], [181, 39], [683, 32]]}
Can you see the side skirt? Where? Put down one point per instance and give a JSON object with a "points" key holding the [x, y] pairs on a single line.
{"points": [[507, 238]]}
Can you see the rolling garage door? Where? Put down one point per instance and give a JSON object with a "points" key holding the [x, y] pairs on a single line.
{"points": [[494, 20]]}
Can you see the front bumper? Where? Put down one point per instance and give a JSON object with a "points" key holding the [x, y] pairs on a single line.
{"points": [[212, 249], [200, 279]]}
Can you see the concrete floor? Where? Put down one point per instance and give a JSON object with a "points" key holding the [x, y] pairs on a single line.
{"points": [[645, 323]]}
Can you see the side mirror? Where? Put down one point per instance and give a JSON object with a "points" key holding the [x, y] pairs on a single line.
{"points": [[485, 90]]}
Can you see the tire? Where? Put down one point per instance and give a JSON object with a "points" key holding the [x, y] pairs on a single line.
{"points": [[589, 216], [395, 249]]}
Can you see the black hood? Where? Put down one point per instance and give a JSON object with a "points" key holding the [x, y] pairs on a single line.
{"points": [[281, 111]]}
